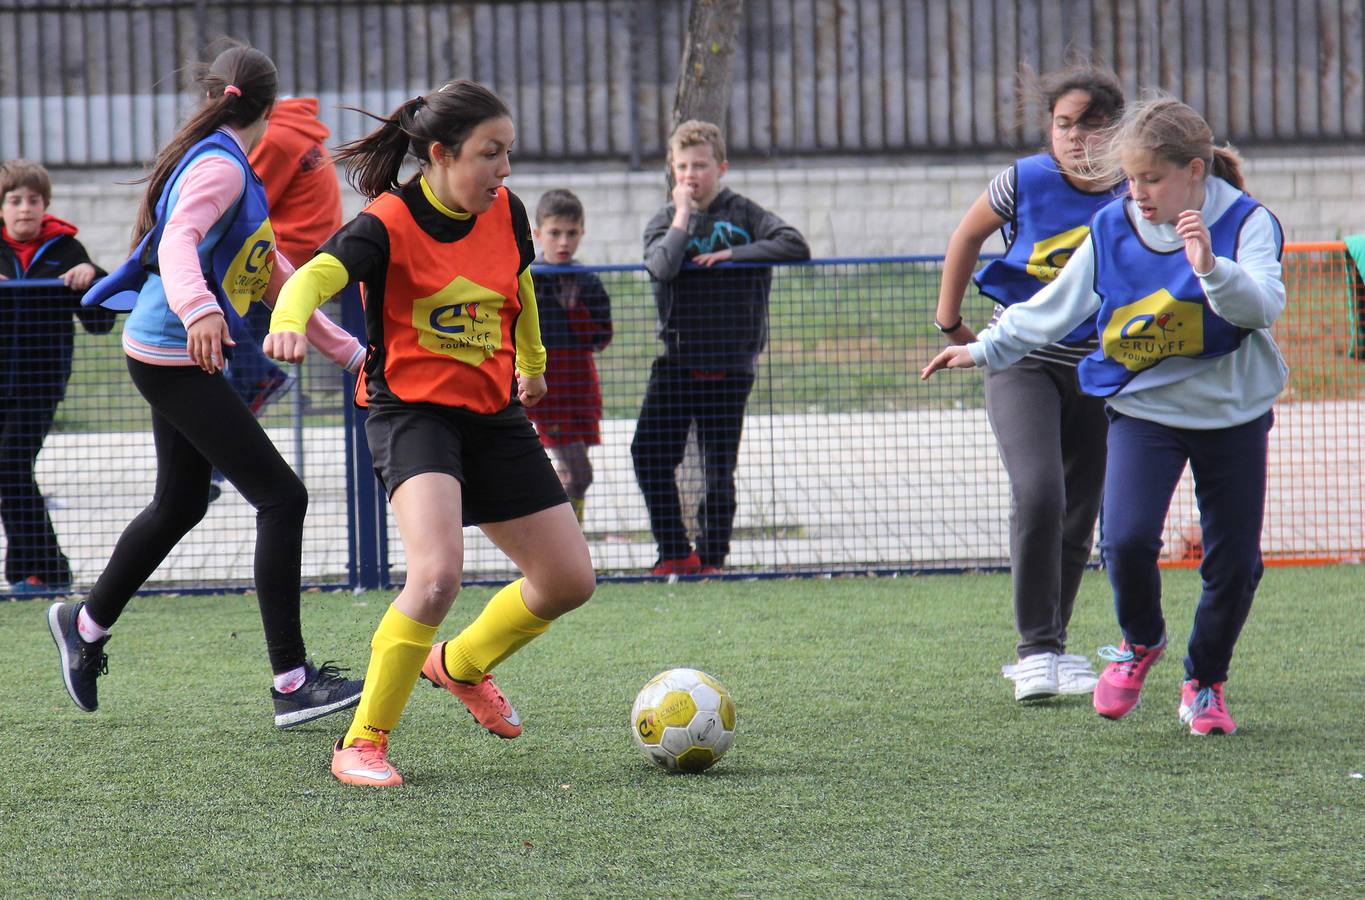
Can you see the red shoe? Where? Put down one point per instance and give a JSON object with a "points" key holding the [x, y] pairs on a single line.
{"points": [[484, 701], [364, 763], [1204, 710], [685, 565], [1120, 686]]}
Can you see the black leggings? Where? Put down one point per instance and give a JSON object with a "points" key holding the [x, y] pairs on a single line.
{"points": [[198, 423]]}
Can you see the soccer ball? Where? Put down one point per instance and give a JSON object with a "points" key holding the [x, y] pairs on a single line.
{"points": [[683, 720]]}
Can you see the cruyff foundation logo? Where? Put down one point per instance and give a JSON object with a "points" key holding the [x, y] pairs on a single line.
{"points": [[249, 273], [1048, 256], [462, 321], [1158, 326]]}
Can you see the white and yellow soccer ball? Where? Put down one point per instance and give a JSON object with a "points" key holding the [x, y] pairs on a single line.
{"points": [[683, 720]]}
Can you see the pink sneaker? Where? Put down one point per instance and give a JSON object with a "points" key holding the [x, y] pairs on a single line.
{"points": [[484, 701], [1120, 685], [364, 763], [1204, 710]]}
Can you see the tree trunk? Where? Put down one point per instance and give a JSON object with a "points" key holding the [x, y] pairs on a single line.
{"points": [[703, 93], [704, 75]]}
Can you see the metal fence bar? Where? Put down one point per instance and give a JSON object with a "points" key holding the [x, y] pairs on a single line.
{"points": [[86, 83]]}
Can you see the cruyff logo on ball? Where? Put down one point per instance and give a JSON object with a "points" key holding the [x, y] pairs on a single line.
{"points": [[461, 321], [1049, 255], [1143, 333]]}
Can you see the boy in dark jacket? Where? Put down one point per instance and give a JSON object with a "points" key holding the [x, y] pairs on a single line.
{"points": [[714, 323], [36, 336], [575, 324]]}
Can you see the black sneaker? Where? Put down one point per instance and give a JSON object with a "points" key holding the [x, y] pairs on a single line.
{"points": [[82, 662], [322, 693]]}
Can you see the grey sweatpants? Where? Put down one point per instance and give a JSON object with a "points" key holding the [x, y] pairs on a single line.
{"points": [[1052, 441]]}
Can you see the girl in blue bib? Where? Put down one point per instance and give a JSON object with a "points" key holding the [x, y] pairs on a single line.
{"points": [[1050, 433], [203, 251], [1183, 281]]}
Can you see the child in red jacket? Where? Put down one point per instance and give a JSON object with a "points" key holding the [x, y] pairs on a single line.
{"points": [[35, 363]]}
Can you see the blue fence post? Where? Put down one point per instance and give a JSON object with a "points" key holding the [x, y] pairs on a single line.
{"points": [[366, 562]]}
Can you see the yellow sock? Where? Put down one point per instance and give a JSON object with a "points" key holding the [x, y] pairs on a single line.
{"points": [[397, 651], [503, 628]]}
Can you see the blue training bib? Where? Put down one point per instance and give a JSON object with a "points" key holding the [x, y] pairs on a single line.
{"points": [[1051, 219], [1153, 306]]}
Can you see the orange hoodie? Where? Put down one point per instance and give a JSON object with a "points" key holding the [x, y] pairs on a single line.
{"points": [[300, 179]]}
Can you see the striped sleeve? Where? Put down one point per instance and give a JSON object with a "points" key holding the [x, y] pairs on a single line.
{"points": [[1001, 194]]}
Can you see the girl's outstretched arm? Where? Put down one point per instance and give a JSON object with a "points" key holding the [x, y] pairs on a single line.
{"points": [[954, 357]]}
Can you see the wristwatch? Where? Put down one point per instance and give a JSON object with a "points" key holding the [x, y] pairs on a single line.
{"points": [[949, 328]]}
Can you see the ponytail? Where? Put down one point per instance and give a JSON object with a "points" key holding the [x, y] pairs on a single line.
{"points": [[446, 117], [1168, 129], [238, 87], [1227, 165], [374, 161]]}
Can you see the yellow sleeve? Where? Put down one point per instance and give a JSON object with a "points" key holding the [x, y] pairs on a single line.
{"points": [[530, 351], [307, 289]]}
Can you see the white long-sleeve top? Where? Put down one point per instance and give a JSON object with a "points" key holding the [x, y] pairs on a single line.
{"points": [[1181, 392]]}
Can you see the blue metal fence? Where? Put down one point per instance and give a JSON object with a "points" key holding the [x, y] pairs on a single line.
{"points": [[847, 463]]}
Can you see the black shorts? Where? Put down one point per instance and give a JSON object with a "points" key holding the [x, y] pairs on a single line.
{"points": [[497, 458]]}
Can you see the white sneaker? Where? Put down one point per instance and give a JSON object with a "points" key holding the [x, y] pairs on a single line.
{"points": [[1035, 677], [1074, 675]]}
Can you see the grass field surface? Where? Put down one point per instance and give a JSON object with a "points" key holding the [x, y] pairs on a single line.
{"points": [[879, 753]]}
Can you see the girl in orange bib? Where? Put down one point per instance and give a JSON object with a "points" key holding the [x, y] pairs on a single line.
{"points": [[454, 355]]}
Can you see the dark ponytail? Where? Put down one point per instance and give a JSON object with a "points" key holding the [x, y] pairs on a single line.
{"points": [[238, 87], [445, 117]]}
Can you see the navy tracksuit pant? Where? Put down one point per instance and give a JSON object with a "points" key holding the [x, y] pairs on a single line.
{"points": [[1146, 460]]}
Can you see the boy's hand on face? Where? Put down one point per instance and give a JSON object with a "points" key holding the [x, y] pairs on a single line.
{"points": [[683, 198], [78, 278], [710, 259]]}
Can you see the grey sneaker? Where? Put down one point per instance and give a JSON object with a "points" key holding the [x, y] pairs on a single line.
{"points": [[82, 662], [322, 693]]}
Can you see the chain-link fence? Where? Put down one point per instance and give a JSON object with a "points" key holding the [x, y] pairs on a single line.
{"points": [[844, 462]]}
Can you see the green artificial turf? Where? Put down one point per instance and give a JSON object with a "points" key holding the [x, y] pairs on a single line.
{"points": [[879, 752]]}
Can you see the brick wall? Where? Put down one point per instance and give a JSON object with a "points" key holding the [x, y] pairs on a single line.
{"points": [[848, 210]]}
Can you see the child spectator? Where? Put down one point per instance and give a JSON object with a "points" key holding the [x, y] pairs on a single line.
{"points": [[1184, 280], [713, 323], [35, 364], [575, 323]]}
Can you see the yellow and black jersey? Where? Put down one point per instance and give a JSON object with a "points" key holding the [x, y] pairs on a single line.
{"points": [[450, 307]]}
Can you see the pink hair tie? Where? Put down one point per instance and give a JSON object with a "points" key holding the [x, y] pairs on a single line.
{"points": [[233, 90]]}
